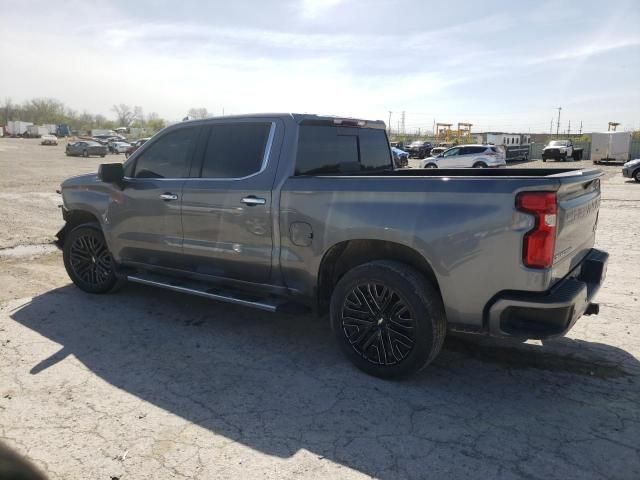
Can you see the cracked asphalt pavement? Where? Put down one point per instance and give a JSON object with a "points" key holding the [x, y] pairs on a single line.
{"points": [[150, 384]]}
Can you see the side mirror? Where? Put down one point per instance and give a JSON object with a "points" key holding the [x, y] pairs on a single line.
{"points": [[111, 173]]}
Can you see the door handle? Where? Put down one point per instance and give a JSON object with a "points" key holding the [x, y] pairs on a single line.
{"points": [[168, 197], [252, 201]]}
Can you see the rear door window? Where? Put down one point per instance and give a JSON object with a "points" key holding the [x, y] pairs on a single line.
{"points": [[333, 149]]}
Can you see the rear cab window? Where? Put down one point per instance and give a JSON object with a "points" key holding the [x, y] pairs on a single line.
{"points": [[327, 149]]}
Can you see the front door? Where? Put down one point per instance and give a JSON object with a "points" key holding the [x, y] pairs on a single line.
{"points": [[450, 158], [144, 218], [227, 208]]}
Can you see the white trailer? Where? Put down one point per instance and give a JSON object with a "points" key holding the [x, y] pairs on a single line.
{"points": [[51, 128], [36, 131], [16, 127], [610, 147], [102, 131]]}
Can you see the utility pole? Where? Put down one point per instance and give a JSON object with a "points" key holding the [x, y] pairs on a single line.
{"points": [[569, 129], [551, 127], [558, 126], [580, 127], [403, 125], [389, 124]]}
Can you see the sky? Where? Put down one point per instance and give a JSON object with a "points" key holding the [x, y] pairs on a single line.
{"points": [[501, 65]]}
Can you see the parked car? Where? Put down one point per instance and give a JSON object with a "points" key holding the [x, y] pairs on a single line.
{"points": [[287, 213], [135, 146], [419, 149], [106, 139], [631, 169], [400, 157], [85, 148], [48, 140], [435, 151], [561, 150], [118, 147], [467, 156]]}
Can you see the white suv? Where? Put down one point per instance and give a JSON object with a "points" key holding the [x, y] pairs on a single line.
{"points": [[467, 156]]}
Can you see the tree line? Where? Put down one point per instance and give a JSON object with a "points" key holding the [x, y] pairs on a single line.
{"points": [[50, 110]]}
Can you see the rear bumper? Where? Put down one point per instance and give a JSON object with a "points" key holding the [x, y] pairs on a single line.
{"points": [[552, 313]]}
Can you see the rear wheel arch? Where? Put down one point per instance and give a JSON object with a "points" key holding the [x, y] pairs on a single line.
{"points": [[344, 256]]}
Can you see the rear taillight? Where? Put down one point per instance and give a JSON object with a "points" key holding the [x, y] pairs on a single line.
{"points": [[539, 242]]}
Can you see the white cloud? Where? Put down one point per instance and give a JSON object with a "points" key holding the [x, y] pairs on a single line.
{"points": [[314, 8]]}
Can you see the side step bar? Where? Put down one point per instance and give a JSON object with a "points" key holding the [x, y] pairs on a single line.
{"points": [[276, 305]]}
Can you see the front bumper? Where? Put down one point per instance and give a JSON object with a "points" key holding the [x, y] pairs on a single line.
{"points": [[552, 313], [554, 154], [629, 171]]}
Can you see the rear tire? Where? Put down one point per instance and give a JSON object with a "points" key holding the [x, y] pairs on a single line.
{"points": [[88, 261], [430, 165], [480, 165], [388, 320]]}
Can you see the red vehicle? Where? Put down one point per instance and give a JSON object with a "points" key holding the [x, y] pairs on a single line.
{"points": [[135, 145]]}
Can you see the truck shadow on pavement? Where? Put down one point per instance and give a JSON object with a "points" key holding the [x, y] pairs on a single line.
{"points": [[277, 384]]}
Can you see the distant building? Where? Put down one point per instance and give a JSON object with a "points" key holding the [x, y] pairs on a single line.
{"points": [[502, 138]]}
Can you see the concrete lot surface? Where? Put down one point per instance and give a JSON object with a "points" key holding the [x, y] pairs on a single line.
{"points": [[150, 384]]}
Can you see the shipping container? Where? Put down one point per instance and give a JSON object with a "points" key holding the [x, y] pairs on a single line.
{"points": [[610, 146]]}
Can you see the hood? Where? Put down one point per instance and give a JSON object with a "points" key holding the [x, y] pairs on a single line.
{"points": [[80, 181], [635, 161]]}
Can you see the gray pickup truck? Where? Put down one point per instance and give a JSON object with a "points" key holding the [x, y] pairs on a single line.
{"points": [[294, 213]]}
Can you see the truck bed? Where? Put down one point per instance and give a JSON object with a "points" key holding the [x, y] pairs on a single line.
{"points": [[473, 172]]}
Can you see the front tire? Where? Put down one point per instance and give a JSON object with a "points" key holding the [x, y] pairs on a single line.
{"points": [[430, 165], [480, 165], [85, 153], [88, 261], [388, 319], [636, 175]]}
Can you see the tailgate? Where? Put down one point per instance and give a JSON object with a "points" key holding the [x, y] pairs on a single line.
{"points": [[578, 207]]}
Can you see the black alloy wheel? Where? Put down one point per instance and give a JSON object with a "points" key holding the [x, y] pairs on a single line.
{"points": [[377, 323], [387, 318], [88, 261]]}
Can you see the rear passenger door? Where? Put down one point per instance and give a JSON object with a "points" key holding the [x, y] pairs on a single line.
{"points": [[227, 203]]}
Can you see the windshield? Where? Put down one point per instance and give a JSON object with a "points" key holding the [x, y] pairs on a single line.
{"points": [[416, 144], [559, 143]]}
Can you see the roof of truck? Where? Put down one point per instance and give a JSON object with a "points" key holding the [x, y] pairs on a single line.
{"points": [[305, 118]]}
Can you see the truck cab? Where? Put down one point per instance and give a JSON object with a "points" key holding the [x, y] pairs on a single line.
{"points": [[561, 150]]}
